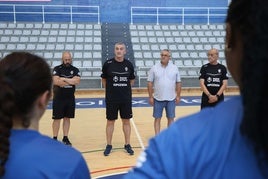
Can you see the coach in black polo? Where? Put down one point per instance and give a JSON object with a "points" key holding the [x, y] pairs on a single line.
{"points": [[65, 79], [117, 78]]}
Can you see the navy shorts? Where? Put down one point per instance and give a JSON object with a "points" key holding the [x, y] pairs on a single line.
{"points": [[124, 108], [63, 108]]}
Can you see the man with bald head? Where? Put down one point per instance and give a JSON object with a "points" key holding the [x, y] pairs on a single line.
{"points": [[213, 80], [65, 79]]}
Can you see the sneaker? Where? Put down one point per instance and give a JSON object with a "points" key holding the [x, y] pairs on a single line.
{"points": [[129, 150], [107, 150], [66, 141]]}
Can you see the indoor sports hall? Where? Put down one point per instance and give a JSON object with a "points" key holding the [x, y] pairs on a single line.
{"points": [[89, 30]]}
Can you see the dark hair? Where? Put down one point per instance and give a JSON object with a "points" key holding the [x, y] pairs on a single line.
{"points": [[23, 77], [249, 19]]}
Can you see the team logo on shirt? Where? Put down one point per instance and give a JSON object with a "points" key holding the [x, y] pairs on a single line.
{"points": [[72, 72], [119, 81], [219, 70], [209, 79], [126, 68], [115, 79]]}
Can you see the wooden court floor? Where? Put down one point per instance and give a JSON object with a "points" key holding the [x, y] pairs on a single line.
{"points": [[87, 134]]}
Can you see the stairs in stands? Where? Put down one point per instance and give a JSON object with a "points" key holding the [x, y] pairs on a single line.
{"points": [[113, 33]]}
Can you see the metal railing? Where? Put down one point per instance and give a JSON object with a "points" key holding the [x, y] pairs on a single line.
{"points": [[181, 15], [49, 13]]}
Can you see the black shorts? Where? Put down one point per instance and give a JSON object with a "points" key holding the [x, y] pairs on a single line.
{"points": [[63, 108], [124, 108], [205, 103]]}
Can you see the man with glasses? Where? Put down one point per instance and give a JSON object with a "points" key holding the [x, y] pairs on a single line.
{"points": [[213, 80], [65, 79], [164, 89]]}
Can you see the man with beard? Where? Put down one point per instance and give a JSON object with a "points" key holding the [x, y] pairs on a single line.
{"points": [[65, 79]]}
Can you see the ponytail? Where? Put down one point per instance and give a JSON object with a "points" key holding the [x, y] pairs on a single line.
{"points": [[6, 111]]}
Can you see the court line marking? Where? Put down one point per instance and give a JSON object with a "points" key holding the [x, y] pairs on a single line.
{"points": [[101, 150], [113, 174], [108, 169], [137, 133]]}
